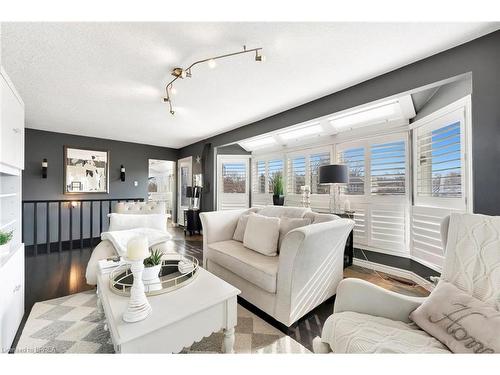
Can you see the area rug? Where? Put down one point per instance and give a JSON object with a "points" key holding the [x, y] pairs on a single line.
{"points": [[72, 324]]}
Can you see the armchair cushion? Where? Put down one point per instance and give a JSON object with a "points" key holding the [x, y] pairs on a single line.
{"points": [[258, 269], [352, 332], [460, 321], [281, 211], [126, 221], [262, 233], [287, 224]]}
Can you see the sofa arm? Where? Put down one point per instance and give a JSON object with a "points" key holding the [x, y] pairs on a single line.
{"points": [[366, 298], [310, 266]]}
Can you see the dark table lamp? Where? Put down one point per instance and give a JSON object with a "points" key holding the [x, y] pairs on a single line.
{"points": [[334, 174]]}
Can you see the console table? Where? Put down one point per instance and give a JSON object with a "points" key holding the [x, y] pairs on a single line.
{"points": [[349, 246], [192, 222]]}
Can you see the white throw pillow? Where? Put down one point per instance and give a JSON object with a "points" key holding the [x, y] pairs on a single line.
{"points": [[262, 234], [287, 224], [239, 232], [462, 322], [126, 221]]}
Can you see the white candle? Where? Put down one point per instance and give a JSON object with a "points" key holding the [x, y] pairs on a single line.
{"points": [[137, 248]]}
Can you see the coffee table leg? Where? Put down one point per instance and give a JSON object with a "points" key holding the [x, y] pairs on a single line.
{"points": [[228, 340]]}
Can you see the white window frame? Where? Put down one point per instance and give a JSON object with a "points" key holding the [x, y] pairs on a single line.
{"points": [[368, 200], [455, 112]]}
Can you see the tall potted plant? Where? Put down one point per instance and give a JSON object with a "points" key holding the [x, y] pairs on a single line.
{"points": [[5, 238], [278, 197]]}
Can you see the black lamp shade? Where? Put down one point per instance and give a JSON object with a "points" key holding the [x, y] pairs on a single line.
{"points": [[334, 174]]}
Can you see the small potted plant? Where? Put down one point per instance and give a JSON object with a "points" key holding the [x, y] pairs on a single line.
{"points": [[277, 183], [152, 266], [5, 238]]}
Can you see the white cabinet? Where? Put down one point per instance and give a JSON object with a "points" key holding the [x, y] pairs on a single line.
{"points": [[11, 166], [12, 296], [12, 124]]}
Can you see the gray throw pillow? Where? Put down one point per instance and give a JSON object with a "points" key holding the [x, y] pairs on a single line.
{"points": [[239, 232], [460, 321]]}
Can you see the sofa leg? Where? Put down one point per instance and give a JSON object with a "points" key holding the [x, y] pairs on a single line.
{"points": [[320, 347]]}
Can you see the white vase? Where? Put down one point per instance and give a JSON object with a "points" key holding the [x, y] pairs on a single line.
{"points": [[4, 249], [151, 273]]}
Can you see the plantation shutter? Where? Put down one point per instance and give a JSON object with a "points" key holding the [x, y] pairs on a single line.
{"points": [[275, 168], [296, 174], [439, 161], [316, 161], [388, 168], [261, 176], [354, 158]]}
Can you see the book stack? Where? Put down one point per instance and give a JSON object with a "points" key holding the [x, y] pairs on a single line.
{"points": [[185, 266]]}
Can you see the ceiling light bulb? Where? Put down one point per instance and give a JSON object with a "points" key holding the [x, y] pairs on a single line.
{"points": [[259, 57], [183, 74], [211, 63]]}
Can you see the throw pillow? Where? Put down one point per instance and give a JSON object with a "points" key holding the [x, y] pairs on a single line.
{"points": [[287, 224], [262, 234], [460, 321], [239, 232], [127, 221]]}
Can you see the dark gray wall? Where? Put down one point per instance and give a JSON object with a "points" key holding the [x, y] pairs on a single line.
{"points": [[481, 57], [42, 144]]}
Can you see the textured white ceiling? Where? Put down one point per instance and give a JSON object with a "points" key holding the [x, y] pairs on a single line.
{"points": [[107, 79]]}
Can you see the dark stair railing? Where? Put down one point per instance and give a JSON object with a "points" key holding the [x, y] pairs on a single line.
{"points": [[61, 245]]}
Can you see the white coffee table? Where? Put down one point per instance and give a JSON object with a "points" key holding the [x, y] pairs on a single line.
{"points": [[179, 318]]}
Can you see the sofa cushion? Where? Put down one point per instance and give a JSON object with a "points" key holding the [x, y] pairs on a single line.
{"points": [[287, 224], [262, 234], [258, 269], [281, 211], [320, 218], [353, 332], [239, 232]]}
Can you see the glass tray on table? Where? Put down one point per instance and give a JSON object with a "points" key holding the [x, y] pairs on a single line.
{"points": [[169, 277]]}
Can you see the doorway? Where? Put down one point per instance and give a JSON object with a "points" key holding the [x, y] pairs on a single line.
{"points": [[161, 184], [185, 179]]}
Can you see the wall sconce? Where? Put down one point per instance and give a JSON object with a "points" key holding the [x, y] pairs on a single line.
{"points": [[45, 165], [122, 173], [74, 204]]}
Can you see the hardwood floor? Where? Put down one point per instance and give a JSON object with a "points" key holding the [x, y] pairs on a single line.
{"points": [[55, 275]]}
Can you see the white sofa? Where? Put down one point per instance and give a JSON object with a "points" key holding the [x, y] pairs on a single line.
{"points": [[105, 249], [370, 319], [304, 274]]}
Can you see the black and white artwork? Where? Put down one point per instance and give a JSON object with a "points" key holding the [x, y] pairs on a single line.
{"points": [[85, 171]]}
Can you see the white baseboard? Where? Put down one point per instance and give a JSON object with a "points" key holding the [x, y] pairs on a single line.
{"points": [[395, 272]]}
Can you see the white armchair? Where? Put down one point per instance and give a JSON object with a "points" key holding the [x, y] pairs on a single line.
{"points": [[105, 249], [304, 274], [370, 319]]}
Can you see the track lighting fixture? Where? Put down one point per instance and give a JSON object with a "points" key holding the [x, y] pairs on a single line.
{"points": [[186, 73]]}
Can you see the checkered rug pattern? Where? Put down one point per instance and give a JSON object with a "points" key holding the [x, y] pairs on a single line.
{"points": [[72, 324]]}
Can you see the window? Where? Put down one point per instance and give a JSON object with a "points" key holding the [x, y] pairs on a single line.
{"points": [[439, 161], [234, 177], [297, 174], [388, 168], [316, 161], [275, 168], [261, 176], [355, 160]]}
